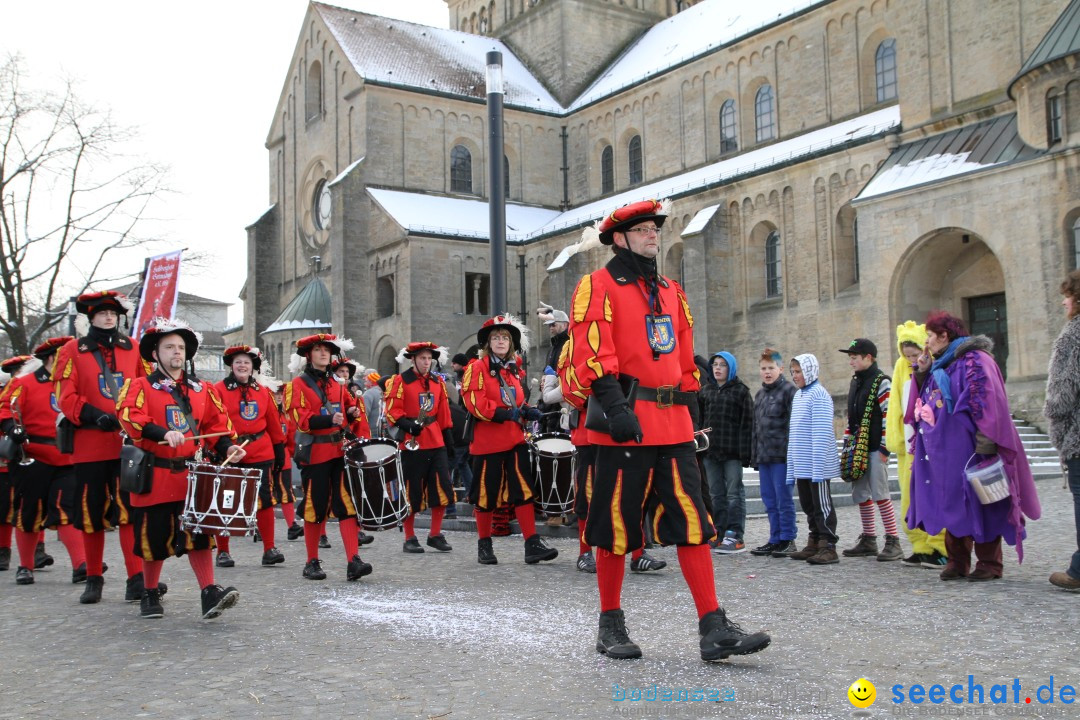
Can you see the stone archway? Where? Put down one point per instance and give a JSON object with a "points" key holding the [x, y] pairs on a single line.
{"points": [[387, 362], [953, 269]]}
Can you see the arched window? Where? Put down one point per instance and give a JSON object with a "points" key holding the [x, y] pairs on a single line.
{"points": [[773, 274], [728, 141], [607, 170], [1053, 118], [885, 70], [634, 155], [764, 114], [460, 169], [384, 296], [506, 176], [313, 92], [1076, 243], [482, 25]]}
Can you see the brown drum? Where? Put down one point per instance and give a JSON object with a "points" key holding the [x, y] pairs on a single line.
{"points": [[221, 500], [373, 467], [553, 461]]}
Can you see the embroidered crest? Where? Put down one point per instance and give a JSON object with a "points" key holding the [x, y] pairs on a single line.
{"points": [[334, 408], [427, 402], [175, 418], [509, 396], [661, 333], [249, 410], [103, 387], [53, 404]]}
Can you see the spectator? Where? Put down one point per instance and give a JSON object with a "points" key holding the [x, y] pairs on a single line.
{"points": [[772, 413], [373, 397]]}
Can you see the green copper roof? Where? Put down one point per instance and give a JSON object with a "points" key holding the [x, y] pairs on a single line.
{"points": [[309, 309], [1062, 39]]}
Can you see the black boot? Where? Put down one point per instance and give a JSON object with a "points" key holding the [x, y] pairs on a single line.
{"points": [[5, 558], [78, 575], [536, 550], [439, 543], [485, 554], [295, 531], [24, 576], [612, 640], [357, 569], [92, 592], [151, 604], [216, 600], [134, 591], [721, 638], [273, 556], [364, 539], [412, 545], [42, 558], [313, 570]]}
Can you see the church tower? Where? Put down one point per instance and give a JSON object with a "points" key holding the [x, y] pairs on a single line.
{"points": [[565, 43]]}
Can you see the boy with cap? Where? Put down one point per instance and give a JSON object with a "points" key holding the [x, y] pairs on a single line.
{"points": [[865, 454]]}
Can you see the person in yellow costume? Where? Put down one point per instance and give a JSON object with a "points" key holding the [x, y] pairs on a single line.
{"points": [[927, 550]]}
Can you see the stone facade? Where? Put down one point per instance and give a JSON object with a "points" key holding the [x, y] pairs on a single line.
{"points": [[974, 243]]}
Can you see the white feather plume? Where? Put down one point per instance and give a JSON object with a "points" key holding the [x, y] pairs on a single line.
{"points": [[82, 325], [665, 207], [345, 346], [265, 377], [4, 378], [296, 364], [30, 366], [166, 325]]}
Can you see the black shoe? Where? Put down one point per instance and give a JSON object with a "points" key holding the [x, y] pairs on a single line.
{"points": [[224, 560], [934, 561], [785, 549], [485, 554], [536, 550], [150, 604], [439, 543], [586, 563], [612, 639], [24, 576], [295, 531], [134, 591], [358, 568], [216, 600], [646, 562], [766, 549], [313, 570], [721, 638], [324, 542], [913, 560], [5, 558], [412, 545], [272, 556], [42, 558], [78, 575], [364, 539], [92, 593]]}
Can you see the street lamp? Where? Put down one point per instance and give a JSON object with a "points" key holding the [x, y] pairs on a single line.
{"points": [[496, 183]]}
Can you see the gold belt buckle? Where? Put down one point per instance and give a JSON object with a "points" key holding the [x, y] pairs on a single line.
{"points": [[665, 396]]}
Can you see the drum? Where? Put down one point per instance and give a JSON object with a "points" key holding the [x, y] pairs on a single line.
{"points": [[553, 462], [221, 500], [373, 467]]}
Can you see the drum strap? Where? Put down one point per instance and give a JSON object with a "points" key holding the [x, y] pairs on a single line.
{"points": [[185, 407], [318, 391], [110, 381]]}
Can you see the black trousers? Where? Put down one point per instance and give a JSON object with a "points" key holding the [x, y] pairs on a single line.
{"points": [[816, 502]]}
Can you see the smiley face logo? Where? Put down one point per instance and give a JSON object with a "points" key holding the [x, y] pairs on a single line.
{"points": [[862, 693]]}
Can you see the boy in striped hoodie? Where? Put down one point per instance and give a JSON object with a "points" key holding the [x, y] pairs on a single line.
{"points": [[812, 459]]}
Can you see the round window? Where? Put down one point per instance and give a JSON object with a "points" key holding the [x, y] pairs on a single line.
{"points": [[322, 205]]}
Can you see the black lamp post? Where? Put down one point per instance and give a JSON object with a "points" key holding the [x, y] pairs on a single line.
{"points": [[496, 183]]}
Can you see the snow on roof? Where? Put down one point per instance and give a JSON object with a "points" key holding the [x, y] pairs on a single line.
{"points": [[461, 217], [700, 220], [297, 325], [688, 34], [345, 173], [396, 52], [263, 214]]}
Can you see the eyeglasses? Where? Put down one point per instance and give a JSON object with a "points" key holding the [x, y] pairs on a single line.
{"points": [[644, 230]]}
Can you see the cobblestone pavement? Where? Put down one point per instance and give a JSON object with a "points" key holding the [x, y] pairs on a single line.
{"points": [[439, 636]]}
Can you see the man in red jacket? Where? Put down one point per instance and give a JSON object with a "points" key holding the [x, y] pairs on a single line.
{"points": [[45, 488], [254, 415], [89, 372], [158, 413], [416, 403], [324, 412], [628, 320]]}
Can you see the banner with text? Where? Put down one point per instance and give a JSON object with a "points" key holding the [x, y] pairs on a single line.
{"points": [[159, 291]]}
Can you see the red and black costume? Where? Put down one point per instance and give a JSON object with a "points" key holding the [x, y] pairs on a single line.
{"points": [[254, 415], [502, 474], [9, 367], [417, 404], [312, 399], [45, 489], [283, 484], [86, 372]]}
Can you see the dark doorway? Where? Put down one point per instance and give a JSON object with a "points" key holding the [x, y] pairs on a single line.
{"points": [[987, 317]]}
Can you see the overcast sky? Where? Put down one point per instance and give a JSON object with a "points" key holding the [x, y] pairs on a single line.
{"points": [[200, 82]]}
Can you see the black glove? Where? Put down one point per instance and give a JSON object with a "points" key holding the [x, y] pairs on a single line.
{"points": [[607, 392], [624, 424], [108, 423], [531, 413], [506, 414], [410, 426], [18, 435], [279, 458]]}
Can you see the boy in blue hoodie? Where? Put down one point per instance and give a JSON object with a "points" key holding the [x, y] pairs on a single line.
{"points": [[812, 459], [728, 410]]}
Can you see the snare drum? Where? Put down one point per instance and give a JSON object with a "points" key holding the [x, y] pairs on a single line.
{"points": [[553, 462], [221, 500], [373, 467]]}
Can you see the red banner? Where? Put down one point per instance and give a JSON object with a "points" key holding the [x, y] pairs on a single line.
{"points": [[161, 285]]}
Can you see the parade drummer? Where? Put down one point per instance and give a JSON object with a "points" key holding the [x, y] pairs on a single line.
{"points": [[324, 412], [162, 414], [627, 320], [254, 415], [502, 473], [416, 403]]}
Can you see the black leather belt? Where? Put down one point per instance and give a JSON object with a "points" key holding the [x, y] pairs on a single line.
{"points": [[335, 437], [175, 464], [249, 438], [665, 396], [42, 440]]}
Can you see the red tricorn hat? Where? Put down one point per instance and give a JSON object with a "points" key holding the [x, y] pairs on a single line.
{"points": [[253, 352], [90, 302], [630, 215], [12, 364], [414, 347], [345, 362], [50, 346], [506, 322], [161, 327], [338, 346]]}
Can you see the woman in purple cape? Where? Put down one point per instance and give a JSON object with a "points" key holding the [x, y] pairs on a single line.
{"points": [[961, 413]]}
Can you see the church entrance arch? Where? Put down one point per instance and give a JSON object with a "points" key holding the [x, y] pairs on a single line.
{"points": [[953, 269]]}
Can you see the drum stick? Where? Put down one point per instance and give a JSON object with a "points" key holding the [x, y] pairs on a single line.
{"points": [[229, 459], [197, 437]]}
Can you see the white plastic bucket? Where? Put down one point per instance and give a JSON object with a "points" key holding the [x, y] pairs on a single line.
{"points": [[989, 481]]}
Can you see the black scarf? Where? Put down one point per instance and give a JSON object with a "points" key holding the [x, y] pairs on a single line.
{"points": [[104, 338], [859, 395], [644, 268]]}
